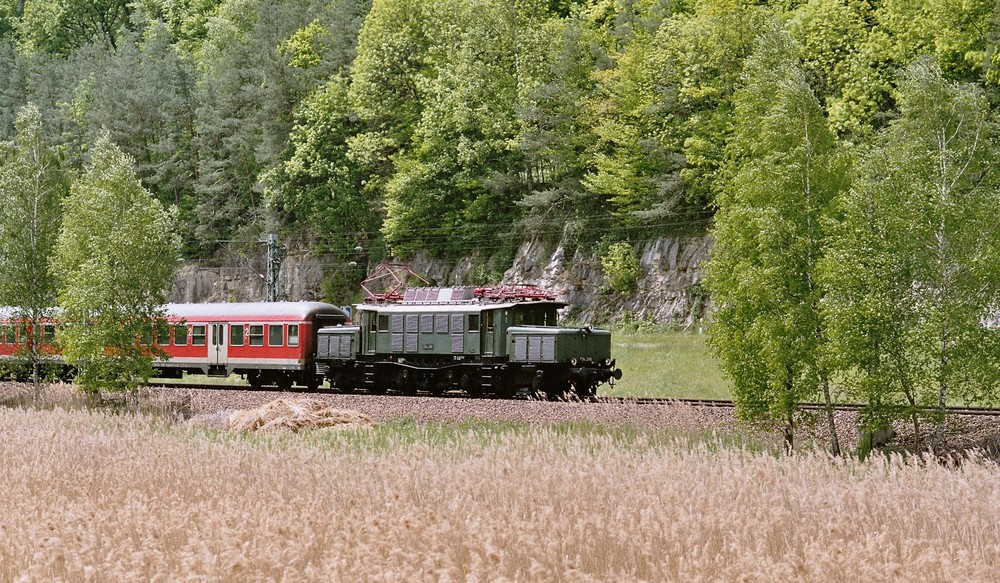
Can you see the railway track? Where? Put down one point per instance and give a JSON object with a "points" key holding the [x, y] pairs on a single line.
{"points": [[651, 401], [726, 403]]}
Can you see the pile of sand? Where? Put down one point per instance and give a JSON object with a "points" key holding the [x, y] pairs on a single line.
{"points": [[295, 415]]}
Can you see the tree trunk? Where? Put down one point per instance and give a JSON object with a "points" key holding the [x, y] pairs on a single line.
{"points": [[831, 421], [789, 435]]}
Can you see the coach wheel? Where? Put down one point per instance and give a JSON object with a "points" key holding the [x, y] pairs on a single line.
{"points": [[255, 379], [312, 384], [284, 382]]}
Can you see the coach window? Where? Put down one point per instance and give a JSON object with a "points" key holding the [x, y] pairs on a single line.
{"points": [[256, 335], [473, 322], [198, 335], [236, 334], [146, 335], [3, 335], [162, 335], [293, 334], [180, 335], [275, 335]]}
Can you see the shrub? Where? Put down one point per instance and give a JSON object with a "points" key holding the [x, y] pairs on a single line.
{"points": [[621, 267]]}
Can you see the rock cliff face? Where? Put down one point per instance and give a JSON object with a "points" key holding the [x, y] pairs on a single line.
{"points": [[669, 288]]}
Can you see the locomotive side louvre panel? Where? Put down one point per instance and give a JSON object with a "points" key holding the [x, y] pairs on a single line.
{"points": [[397, 343], [441, 323], [397, 323], [426, 323], [337, 343], [521, 348], [412, 343], [534, 349], [457, 334], [548, 348]]}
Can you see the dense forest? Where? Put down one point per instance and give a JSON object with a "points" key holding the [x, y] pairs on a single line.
{"points": [[452, 126]]}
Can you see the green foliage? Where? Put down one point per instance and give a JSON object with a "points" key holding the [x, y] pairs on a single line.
{"points": [[913, 270], [770, 232], [32, 185], [60, 26], [304, 49], [319, 186], [115, 259], [621, 267]]}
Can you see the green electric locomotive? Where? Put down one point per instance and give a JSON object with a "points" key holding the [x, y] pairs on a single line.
{"points": [[494, 341]]}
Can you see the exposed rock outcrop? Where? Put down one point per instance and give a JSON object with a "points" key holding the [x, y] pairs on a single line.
{"points": [[668, 290]]}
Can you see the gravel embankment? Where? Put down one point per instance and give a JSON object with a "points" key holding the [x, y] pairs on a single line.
{"points": [[212, 408]]}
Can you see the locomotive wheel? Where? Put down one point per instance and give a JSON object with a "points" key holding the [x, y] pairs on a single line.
{"points": [[474, 389]]}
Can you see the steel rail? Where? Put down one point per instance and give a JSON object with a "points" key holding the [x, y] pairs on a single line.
{"points": [[607, 400]]}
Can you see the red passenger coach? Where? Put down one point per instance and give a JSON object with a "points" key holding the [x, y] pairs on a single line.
{"points": [[16, 335], [270, 343]]}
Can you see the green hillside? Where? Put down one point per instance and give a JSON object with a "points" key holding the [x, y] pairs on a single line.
{"points": [[452, 126]]}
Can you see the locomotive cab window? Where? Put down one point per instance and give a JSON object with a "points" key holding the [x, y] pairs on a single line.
{"points": [[383, 322], [275, 335], [535, 316], [473, 322], [293, 334], [198, 335], [236, 335], [256, 335]]}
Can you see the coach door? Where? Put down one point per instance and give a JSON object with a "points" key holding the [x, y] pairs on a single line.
{"points": [[217, 349]]}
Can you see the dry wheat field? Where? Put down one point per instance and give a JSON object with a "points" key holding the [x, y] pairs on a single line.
{"points": [[96, 496]]}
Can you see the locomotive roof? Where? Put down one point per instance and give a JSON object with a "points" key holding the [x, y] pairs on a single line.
{"points": [[461, 307], [460, 299], [254, 310]]}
